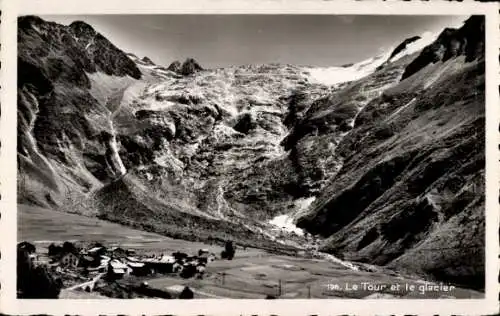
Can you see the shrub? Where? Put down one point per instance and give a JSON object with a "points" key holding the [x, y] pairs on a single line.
{"points": [[54, 250], [229, 250]]}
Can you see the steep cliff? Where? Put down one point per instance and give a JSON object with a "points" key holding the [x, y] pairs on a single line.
{"points": [[66, 139]]}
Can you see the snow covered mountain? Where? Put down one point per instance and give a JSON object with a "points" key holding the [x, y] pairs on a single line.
{"points": [[338, 75], [382, 159]]}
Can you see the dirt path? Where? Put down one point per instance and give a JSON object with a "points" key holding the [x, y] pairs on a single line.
{"points": [[90, 283]]}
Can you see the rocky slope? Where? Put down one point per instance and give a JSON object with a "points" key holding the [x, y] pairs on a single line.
{"points": [[65, 134], [391, 156], [410, 192], [167, 143]]}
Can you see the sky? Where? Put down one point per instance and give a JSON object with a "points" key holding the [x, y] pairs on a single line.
{"points": [[226, 40]]}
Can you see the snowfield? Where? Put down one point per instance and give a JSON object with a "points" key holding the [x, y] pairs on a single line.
{"points": [[336, 75]]}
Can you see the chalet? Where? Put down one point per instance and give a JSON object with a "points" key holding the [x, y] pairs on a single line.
{"points": [[157, 265], [206, 257], [167, 259], [180, 256], [200, 269], [138, 268], [88, 261], [117, 269], [117, 264], [104, 261], [69, 260], [177, 267], [202, 252], [96, 252]]}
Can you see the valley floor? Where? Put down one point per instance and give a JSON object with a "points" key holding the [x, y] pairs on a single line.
{"points": [[253, 273]]}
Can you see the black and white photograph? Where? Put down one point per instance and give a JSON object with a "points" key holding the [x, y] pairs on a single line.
{"points": [[251, 156]]}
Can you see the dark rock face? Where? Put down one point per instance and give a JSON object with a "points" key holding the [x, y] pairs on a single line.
{"points": [[103, 53], [403, 45], [467, 41], [189, 67], [245, 124], [175, 66], [148, 61]]}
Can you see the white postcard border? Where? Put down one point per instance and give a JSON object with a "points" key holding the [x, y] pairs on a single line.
{"points": [[8, 222]]}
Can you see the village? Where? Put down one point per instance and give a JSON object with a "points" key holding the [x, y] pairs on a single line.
{"points": [[115, 261], [111, 271]]}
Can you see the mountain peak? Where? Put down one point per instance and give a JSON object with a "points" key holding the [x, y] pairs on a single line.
{"points": [[29, 20], [175, 66], [403, 45], [190, 66], [147, 60], [81, 28]]}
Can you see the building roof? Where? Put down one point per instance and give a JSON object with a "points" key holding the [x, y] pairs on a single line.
{"points": [[104, 261], [116, 264], [94, 249], [135, 264], [88, 258], [116, 249], [119, 271], [167, 259]]}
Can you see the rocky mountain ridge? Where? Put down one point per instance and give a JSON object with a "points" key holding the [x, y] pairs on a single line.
{"points": [[188, 67], [413, 170], [219, 152]]}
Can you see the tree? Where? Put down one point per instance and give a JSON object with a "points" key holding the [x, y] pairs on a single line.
{"points": [[54, 250], [229, 251], [28, 247], [35, 281], [69, 247]]}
